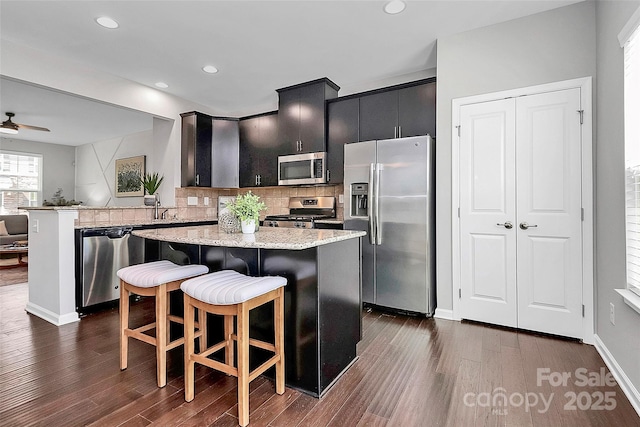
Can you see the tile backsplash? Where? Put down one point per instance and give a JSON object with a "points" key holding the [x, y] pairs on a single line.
{"points": [[276, 199]]}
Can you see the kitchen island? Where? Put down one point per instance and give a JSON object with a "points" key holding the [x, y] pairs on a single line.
{"points": [[322, 296]]}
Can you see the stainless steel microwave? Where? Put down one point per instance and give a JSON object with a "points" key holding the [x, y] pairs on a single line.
{"points": [[308, 168]]}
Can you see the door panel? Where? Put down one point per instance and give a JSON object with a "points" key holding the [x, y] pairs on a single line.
{"points": [[520, 161], [487, 198], [401, 257], [549, 197]]}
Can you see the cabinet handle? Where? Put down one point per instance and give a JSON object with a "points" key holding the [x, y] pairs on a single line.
{"points": [[256, 180], [399, 131], [197, 179], [395, 131], [300, 145]]}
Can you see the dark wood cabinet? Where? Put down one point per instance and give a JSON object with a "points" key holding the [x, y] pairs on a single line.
{"points": [[259, 150], [402, 112], [301, 110], [197, 131], [342, 128]]}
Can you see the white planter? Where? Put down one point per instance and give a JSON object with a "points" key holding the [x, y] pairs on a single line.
{"points": [[248, 226], [150, 200]]}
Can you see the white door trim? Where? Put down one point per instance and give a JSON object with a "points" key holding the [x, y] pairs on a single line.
{"points": [[588, 290]]}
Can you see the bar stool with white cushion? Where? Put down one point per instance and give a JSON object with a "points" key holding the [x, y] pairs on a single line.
{"points": [[229, 293], [156, 279]]}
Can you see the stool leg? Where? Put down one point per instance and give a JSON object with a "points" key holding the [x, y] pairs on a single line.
{"points": [[161, 334], [189, 364], [228, 331], [202, 326], [278, 321], [243, 364], [124, 325]]}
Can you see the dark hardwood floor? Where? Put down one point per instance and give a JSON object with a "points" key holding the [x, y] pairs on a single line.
{"points": [[411, 372]]}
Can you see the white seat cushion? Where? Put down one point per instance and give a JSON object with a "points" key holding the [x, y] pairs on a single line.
{"points": [[228, 287], [156, 273]]}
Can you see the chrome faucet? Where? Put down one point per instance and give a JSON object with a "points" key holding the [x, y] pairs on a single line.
{"points": [[163, 215], [155, 213]]}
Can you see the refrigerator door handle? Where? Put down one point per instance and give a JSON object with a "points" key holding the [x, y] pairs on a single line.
{"points": [[377, 207], [370, 205]]}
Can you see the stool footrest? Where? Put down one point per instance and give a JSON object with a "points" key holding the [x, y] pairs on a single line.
{"points": [[214, 364], [266, 365]]}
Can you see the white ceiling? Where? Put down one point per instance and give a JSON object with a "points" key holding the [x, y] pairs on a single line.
{"points": [[258, 46]]}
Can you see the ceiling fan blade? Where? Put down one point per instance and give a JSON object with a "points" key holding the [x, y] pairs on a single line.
{"points": [[21, 126]]}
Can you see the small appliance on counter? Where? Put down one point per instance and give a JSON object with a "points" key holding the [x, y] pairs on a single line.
{"points": [[303, 211], [222, 203]]}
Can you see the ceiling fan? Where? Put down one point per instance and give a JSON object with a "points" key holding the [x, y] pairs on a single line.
{"points": [[12, 128]]}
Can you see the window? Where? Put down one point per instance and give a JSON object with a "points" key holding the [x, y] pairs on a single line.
{"points": [[20, 180], [630, 40]]}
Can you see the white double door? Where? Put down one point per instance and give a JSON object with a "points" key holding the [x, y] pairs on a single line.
{"points": [[521, 212]]}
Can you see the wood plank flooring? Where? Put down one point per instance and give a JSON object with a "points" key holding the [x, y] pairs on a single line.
{"points": [[410, 372]]}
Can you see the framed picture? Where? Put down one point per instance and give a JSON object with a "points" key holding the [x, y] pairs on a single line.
{"points": [[129, 174]]}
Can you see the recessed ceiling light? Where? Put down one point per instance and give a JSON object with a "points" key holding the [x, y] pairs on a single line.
{"points": [[394, 6], [209, 69], [107, 22], [162, 85]]}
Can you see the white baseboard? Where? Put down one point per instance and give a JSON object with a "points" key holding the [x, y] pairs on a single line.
{"points": [[623, 380], [444, 314], [50, 316]]}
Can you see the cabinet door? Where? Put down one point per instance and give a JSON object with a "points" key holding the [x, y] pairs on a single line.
{"points": [[342, 129], [378, 116], [249, 146], [196, 150], [289, 126], [417, 110], [311, 110], [270, 149]]}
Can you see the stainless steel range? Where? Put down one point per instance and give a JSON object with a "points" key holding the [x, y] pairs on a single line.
{"points": [[303, 211]]}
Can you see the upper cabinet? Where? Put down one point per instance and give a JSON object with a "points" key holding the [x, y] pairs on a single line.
{"points": [[342, 128], [259, 150], [209, 155], [197, 129], [395, 112], [301, 115], [403, 112]]}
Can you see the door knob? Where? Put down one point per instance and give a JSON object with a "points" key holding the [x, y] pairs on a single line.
{"points": [[525, 226], [508, 225]]}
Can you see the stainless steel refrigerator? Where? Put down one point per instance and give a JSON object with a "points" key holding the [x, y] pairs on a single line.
{"points": [[389, 192]]}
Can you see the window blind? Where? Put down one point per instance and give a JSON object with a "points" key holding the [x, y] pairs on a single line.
{"points": [[632, 157]]}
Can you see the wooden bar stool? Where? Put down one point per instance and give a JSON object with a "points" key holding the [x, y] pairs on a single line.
{"points": [[156, 279], [229, 293]]}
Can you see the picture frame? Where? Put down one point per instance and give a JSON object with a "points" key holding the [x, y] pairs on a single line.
{"points": [[129, 174]]}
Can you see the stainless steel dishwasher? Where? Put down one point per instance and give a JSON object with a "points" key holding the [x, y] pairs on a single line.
{"points": [[104, 251]]}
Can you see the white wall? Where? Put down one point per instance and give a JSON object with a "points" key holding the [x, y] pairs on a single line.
{"points": [[542, 48], [622, 339], [95, 173], [25, 63], [58, 168]]}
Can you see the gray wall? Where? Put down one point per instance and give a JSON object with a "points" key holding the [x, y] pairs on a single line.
{"points": [[542, 48], [623, 339], [96, 171], [58, 167]]}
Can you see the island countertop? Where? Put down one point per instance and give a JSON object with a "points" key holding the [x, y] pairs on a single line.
{"points": [[265, 238]]}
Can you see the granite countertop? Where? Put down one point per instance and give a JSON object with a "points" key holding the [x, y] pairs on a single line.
{"points": [[265, 238], [83, 207], [138, 222]]}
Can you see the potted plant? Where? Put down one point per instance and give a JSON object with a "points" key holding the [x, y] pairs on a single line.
{"points": [[151, 182], [247, 208]]}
